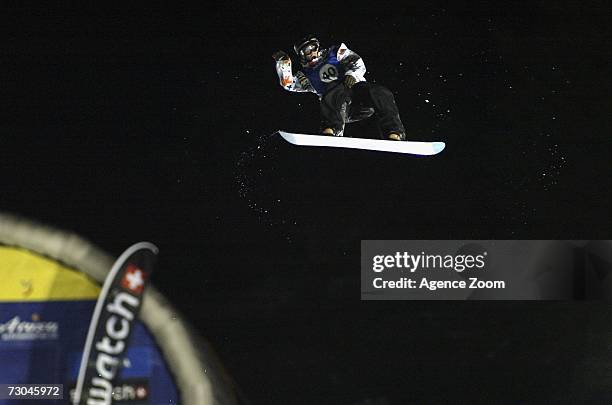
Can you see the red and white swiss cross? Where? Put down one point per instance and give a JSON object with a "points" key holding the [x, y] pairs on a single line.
{"points": [[133, 279]]}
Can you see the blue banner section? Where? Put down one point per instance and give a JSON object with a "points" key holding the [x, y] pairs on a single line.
{"points": [[42, 343]]}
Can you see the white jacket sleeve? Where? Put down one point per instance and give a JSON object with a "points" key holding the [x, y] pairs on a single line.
{"points": [[352, 62], [289, 82]]}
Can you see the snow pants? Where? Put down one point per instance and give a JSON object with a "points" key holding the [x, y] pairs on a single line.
{"points": [[341, 105]]}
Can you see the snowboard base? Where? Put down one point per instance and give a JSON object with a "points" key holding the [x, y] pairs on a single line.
{"points": [[407, 147]]}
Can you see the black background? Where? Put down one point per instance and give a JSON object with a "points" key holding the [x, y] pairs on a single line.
{"points": [[155, 124]]}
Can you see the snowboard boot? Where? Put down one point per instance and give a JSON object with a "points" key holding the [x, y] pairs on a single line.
{"points": [[396, 136], [331, 132]]}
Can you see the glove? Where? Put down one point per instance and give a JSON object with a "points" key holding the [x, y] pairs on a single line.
{"points": [[280, 55], [349, 81]]}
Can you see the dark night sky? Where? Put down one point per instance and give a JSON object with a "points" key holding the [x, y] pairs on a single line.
{"points": [[154, 125]]}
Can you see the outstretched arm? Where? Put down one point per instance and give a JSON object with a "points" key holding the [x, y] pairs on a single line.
{"points": [[297, 83]]}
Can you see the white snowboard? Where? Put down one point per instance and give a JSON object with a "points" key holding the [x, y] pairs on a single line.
{"points": [[410, 147]]}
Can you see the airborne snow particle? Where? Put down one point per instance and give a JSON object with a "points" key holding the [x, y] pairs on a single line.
{"points": [[426, 100]]}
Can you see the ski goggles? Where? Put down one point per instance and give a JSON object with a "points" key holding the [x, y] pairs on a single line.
{"points": [[309, 49]]}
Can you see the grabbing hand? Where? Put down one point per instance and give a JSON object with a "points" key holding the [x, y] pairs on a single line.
{"points": [[280, 56], [349, 81]]}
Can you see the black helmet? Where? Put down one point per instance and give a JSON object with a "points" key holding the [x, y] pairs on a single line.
{"points": [[306, 45]]}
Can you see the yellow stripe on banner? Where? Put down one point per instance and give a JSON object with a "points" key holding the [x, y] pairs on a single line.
{"points": [[26, 276]]}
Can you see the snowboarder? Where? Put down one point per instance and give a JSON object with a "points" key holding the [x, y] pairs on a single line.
{"points": [[336, 75]]}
